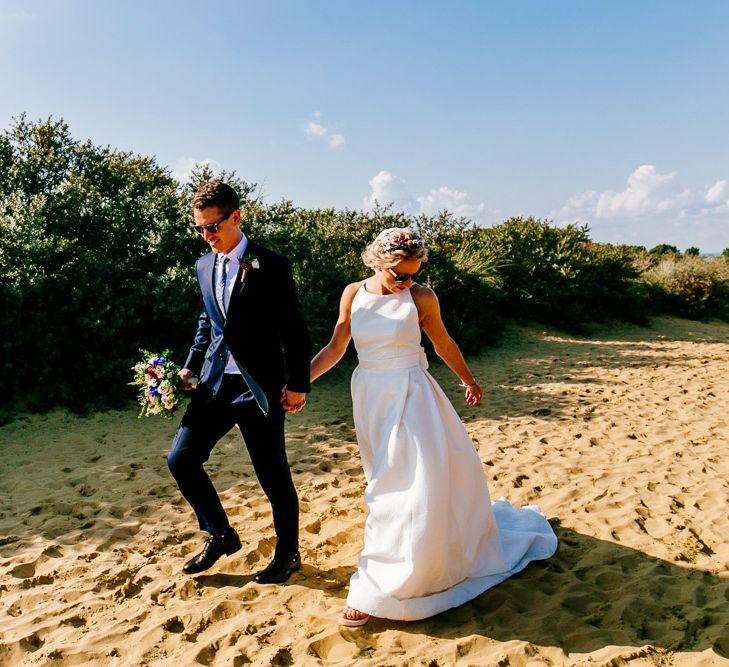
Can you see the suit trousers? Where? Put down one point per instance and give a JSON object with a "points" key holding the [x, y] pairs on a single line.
{"points": [[203, 425]]}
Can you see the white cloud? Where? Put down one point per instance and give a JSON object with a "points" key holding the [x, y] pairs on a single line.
{"points": [[388, 189], [647, 192], [315, 130], [335, 141], [445, 198], [182, 169], [718, 192], [385, 188], [653, 208]]}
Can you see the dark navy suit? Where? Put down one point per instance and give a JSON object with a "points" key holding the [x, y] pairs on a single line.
{"points": [[268, 339]]}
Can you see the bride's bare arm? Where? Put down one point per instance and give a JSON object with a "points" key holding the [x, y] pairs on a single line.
{"points": [[445, 347], [329, 355]]}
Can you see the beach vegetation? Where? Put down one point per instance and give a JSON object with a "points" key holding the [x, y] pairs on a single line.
{"points": [[664, 249], [97, 254], [689, 286], [94, 263]]}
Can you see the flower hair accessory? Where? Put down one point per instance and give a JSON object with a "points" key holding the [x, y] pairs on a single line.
{"points": [[402, 243]]}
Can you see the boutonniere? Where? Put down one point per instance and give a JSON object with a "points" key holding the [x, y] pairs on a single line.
{"points": [[250, 263]]}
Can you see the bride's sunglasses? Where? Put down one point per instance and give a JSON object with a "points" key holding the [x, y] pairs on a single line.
{"points": [[402, 277], [213, 227]]}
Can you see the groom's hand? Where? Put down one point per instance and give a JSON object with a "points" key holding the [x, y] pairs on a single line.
{"points": [[292, 401], [186, 375]]}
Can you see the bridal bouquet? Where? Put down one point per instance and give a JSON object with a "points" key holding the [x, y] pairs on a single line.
{"points": [[160, 388]]}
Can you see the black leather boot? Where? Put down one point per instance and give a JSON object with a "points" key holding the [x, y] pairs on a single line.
{"points": [[217, 545]]}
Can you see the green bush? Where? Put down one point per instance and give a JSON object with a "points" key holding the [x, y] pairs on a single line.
{"points": [[689, 286], [557, 275], [325, 248], [97, 254], [91, 265], [664, 249]]}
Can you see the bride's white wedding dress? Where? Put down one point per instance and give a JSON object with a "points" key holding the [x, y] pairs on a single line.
{"points": [[433, 539]]}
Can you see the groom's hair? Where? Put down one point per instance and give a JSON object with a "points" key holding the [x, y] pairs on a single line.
{"points": [[216, 193]]}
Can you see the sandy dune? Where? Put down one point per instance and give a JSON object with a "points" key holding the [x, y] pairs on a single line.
{"points": [[621, 439]]}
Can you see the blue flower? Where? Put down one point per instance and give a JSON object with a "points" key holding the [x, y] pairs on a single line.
{"points": [[153, 391]]}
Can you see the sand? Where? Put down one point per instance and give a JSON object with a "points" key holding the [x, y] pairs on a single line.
{"points": [[620, 438]]}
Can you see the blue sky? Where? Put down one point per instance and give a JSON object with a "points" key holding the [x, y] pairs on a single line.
{"points": [[609, 113]]}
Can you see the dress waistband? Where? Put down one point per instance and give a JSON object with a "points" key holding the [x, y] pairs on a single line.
{"points": [[396, 363]]}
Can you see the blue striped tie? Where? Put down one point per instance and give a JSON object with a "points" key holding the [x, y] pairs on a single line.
{"points": [[220, 275]]}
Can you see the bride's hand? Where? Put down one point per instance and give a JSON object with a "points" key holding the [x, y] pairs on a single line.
{"points": [[473, 394], [292, 401]]}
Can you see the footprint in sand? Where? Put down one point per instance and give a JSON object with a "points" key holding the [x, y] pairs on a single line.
{"points": [[314, 527], [24, 570], [225, 610], [206, 656], [334, 648], [174, 624], [263, 551], [32, 642], [74, 621], [282, 658]]}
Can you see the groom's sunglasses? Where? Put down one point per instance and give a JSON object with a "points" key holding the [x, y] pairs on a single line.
{"points": [[402, 277], [212, 228]]}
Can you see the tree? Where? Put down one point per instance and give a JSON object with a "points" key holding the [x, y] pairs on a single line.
{"points": [[692, 251], [664, 249], [87, 269]]}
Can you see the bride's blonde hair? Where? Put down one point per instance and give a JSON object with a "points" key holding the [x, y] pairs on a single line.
{"points": [[392, 246]]}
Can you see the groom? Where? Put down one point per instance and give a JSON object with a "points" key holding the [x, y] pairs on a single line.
{"points": [[251, 354]]}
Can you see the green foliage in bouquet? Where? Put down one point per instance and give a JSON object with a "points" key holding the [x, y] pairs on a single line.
{"points": [[160, 387]]}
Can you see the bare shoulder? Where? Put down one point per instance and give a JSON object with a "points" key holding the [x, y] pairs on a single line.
{"points": [[424, 298], [349, 292]]}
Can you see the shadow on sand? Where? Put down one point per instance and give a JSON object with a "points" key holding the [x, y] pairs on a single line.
{"points": [[592, 594]]}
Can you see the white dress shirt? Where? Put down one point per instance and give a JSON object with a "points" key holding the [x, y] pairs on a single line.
{"points": [[231, 274]]}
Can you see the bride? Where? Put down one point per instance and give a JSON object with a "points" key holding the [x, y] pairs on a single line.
{"points": [[432, 537]]}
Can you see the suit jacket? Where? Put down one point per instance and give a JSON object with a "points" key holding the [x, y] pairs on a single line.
{"points": [[264, 329]]}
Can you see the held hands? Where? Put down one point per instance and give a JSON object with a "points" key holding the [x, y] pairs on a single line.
{"points": [[189, 379], [292, 401]]}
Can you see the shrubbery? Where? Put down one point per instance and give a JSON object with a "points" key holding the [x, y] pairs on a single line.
{"points": [[94, 263], [559, 276], [325, 249], [97, 255], [690, 286]]}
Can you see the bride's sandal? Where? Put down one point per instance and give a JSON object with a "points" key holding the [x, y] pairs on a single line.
{"points": [[358, 619]]}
